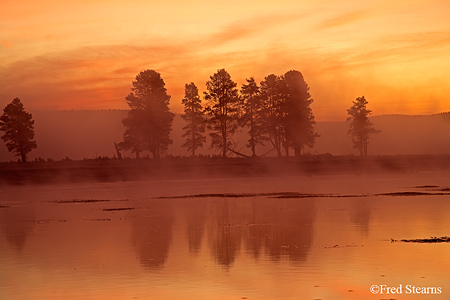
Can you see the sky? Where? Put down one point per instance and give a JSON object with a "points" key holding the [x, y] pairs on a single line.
{"points": [[82, 55]]}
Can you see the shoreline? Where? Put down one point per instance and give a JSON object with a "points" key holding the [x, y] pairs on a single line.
{"points": [[115, 170]]}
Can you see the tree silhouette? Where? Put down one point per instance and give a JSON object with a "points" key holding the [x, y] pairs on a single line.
{"points": [[149, 121], [252, 114], [193, 115], [272, 96], [18, 126], [288, 115], [299, 117], [360, 127], [223, 110]]}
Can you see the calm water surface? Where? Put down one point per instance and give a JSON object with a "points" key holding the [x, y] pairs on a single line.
{"points": [[286, 238]]}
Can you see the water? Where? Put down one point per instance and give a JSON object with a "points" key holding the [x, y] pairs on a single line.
{"points": [[226, 239]]}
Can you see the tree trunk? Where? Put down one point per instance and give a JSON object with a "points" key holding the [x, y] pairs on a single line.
{"points": [[298, 151], [224, 140], [119, 155], [24, 157]]}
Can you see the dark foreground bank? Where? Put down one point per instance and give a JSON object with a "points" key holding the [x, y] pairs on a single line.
{"points": [[110, 170]]}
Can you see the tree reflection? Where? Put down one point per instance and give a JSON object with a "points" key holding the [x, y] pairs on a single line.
{"points": [[360, 214], [17, 223], [226, 234], [281, 228], [290, 230], [152, 233], [196, 214]]}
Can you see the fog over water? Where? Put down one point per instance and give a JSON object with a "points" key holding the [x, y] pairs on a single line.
{"points": [[321, 226], [286, 237], [89, 134]]}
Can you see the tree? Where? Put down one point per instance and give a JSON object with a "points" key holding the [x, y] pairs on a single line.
{"points": [[299, 119], [272, 97], [193, 115], [149, 121], [252, 115], [360, 127], [288, 115], [223, 110], [18, 126]]}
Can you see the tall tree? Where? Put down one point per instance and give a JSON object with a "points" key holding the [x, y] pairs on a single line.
{"points": [[223, 109], [360, 126], [149, 121], [18, 126], [193, 115], [272, 97], [252, 115], [299, 118]]}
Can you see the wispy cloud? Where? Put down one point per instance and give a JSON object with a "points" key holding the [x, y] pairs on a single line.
{"points": [[343, 19], [252, 26]]}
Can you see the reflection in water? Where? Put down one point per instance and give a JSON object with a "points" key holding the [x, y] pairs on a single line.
{"points": [[226, 234], [360, 214], [152, 233], [17, 223], [100, 250], [195, 218], [291, 230], [280, 227]]}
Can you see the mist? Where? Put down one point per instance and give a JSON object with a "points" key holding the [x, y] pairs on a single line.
{"points": [[91, 134]]}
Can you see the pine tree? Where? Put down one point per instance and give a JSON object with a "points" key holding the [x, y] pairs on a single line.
{"points": [[193, 115], [273, 98], [18, 126], [149, 121], [299, 118], [252, 115], [360, 127], [223, 110]]}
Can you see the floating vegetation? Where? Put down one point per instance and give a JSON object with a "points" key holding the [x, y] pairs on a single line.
{"points": [[426, 186], [344, 246], [443, 239], [118, 209], [413, 194], [282, 195], [4, 206], [80, 201]]}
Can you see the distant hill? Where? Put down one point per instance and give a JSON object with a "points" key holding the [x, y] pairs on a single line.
{"points": [[89, 134]]}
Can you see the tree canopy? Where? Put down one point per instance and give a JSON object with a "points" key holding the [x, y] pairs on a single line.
{"points": [[193, 115], [252, 114], [18, 126], [287, 112], [149, 121], [360, 126], [222, 108]]}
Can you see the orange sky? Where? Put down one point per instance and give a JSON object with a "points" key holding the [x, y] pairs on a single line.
{"points": [[84, 54]]}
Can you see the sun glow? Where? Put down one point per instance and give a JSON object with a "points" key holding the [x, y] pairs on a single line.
{"points": [[84, 54]]}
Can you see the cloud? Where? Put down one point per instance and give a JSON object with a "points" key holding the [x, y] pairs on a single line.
{"points": [[252, 26], [343, 19], [5, 44]]}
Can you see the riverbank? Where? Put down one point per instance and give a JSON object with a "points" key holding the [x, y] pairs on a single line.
{"points": [[112, 170]]}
